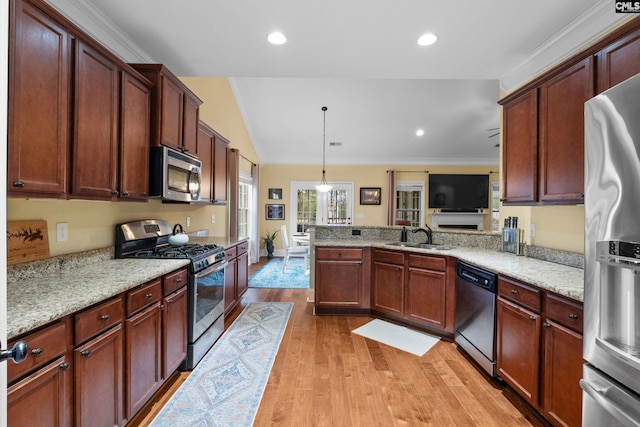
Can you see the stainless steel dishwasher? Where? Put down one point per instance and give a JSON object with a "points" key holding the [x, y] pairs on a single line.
{"points": [[475, 315]]}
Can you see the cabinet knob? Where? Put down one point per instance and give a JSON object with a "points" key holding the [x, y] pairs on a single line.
{"points": [[125, 193], [161, 307], [532, 318], [170, 301], [514, 291], [18, 184], [148, 295], [546, 325], [115, 192], [179, 280], [37, 352], [85, 353], [63, 366], [573, 316], [105, 317]]}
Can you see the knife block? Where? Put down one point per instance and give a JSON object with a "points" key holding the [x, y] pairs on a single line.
{"points": [[511, 239]]}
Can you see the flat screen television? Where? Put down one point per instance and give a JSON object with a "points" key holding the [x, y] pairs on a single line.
{"points": [[458, 192]]}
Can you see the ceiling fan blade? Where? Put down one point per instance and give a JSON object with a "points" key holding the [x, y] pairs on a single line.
{"points": [[491, 136]]}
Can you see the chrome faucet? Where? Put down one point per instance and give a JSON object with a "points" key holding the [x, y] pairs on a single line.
{"points": [[428, 232]]}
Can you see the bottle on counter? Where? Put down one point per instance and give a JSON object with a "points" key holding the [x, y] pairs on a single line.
{"points": [[403, 235]]}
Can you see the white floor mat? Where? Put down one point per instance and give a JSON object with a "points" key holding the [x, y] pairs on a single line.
{"points": [[400, 337]]}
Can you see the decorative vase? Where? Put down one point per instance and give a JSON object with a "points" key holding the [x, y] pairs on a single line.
{"points": [[269, 249]]}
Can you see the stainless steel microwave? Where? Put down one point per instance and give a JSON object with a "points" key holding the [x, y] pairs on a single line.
{"points": [[174, 176]]}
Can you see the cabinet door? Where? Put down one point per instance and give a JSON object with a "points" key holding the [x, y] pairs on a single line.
{"points": [[43, 398], [135, 138], [562, 101], [190, 125], [388, 288], [518, 355], [562, 372], [95, 143], [143, 361], [204, 151], [230, 281], [172, 113], [220, 171], [243, 274], [338, 284], [39, 107], [427, 297], [619, 61], [98, 380], [520, 151], [174, 329]]}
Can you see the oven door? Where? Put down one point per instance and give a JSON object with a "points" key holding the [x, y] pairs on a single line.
{"points": [[207, 300]]}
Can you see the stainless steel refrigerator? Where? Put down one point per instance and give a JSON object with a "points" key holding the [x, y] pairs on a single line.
{"points": [[611, 376]]}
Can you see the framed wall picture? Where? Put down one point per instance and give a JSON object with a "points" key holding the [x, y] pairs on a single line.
{"points": [[274, 211], [275, 193], [370, 195]]}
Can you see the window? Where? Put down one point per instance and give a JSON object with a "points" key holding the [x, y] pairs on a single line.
{"points": [[410, 202], [244, 205], [311, 207]]}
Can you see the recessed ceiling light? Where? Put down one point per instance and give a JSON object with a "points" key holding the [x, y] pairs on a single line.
{"points": [[277, 38], [419, 132], [427, 39]]}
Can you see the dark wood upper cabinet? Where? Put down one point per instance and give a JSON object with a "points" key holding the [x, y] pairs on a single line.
{"points": [[204, 151], [561, 136], [135, 137], [40, 53], [619, 61], [95, 142], [220, 179], [520, 149]]}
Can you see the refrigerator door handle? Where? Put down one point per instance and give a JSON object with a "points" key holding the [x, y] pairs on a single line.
{"points": [[605, 397]]}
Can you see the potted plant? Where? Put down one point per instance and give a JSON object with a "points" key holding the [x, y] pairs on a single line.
{"points": [[267, 242]]}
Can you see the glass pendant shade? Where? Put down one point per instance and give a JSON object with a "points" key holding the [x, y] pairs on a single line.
{"points": [[323, 186]]}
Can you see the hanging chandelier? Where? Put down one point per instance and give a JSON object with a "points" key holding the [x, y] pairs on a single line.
{"points": [[324, 186]]}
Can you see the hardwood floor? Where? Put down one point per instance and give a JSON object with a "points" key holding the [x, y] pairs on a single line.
{"points": [[325, 376]]}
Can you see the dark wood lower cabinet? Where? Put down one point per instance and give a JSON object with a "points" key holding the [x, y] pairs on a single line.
{"points": [[342, 281], [43, 398], [98, 380], [174, 330]]}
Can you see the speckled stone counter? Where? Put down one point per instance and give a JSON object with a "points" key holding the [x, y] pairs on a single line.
{"points": [[34, 302], [558, 278]]}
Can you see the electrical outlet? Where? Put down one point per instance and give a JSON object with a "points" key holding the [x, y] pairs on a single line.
{"points": [[532, 230], [62, 232], [213, 219], [188, 221]]}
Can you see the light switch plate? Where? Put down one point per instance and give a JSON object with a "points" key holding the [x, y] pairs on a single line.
{"points": [[532, 230], [62, 231]]}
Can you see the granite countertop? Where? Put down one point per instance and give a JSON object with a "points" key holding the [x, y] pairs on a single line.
{"points": [[558, 278], [36, 301]]}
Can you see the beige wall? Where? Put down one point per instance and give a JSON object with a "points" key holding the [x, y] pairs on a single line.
{"points": [[92, 224], [280, 176]]}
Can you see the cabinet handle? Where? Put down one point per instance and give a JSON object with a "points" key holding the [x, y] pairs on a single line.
{"points": [[19, 184], [545, 324], [573, 316], [105, 317], [37, 352], [148, 295], [63, 366], [514, 291], [115, 192], [85, 353], [532, 318]]}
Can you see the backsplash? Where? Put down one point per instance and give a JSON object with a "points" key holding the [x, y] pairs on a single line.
{"points": [[459, 238], [58, 264]]}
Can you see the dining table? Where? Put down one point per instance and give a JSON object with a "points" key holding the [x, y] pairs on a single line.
{"points": [[301, 239]]}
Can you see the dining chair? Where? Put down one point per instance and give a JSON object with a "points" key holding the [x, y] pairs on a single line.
{"points": [[293, 251], [403, 222]]}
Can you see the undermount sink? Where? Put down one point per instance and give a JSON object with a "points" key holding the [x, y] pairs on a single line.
{"points": [[435, 246]]}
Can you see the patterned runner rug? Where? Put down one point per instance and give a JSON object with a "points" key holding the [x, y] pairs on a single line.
{"points": [[271, 275], [226, 387]]}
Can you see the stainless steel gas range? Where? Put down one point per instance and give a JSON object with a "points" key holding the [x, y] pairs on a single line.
{"points": [[205, 287]]}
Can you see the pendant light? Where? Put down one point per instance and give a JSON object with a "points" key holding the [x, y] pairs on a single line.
{"points": [[324, 186]]}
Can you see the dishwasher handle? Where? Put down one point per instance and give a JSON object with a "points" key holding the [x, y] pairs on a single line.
{"points": [[477, 276]]}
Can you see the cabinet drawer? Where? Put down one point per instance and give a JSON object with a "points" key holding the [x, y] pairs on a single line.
{"points": [[388, 257], [174, 281], [143, 296], [567, 313], [44, 346], [91, 322], [242, 248], [517, 292], [339, 253], [230, 253], [428, 262]]}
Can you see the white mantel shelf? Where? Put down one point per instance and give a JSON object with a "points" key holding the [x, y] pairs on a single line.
{"points": [[443, 219]]}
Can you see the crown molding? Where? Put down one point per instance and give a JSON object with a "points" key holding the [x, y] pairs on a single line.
{"points": [[91, 20], [578, 34]]}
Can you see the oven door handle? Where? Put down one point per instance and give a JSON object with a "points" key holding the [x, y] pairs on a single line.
{"points": [[212, 269]]}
